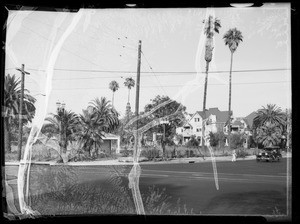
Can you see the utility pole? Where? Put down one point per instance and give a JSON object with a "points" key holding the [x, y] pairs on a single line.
{"points": [[23, 72], [137, 98]]}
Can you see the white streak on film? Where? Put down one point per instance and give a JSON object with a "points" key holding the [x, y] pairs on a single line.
{"points": [[39, 119]]}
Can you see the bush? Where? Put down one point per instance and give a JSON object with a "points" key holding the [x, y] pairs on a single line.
{"points": [[126, 152], [241, 153], [236, 141], [150, 153], [192, 142]]}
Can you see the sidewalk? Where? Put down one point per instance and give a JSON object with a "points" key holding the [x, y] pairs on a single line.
{"points": [[129, 161]]}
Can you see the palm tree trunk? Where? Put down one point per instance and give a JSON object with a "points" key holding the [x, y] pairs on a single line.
{"points": [[128, 94], [204, 102], [113, 98], [229, 106], [7, 135]]}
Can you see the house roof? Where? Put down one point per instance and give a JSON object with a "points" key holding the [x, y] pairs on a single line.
{"points": [[237, 123], [221, 116], [250, 118]]}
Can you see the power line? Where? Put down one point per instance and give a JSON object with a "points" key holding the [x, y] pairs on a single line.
{"points": [[162, 73], [170, 86], [154, 74]]}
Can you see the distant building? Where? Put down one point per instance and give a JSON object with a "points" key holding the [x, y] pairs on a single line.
{"points": [[193, 124]]}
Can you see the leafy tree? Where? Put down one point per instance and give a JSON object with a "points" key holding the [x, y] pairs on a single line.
{"points": [[212, 26], [269, 135], [270, 114], [113, 86], [129, 83], [10, 110], [168, 109], [63, 124], [232, 38]]}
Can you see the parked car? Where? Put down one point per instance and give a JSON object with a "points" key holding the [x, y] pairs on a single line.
{"points": [[269, 154]]}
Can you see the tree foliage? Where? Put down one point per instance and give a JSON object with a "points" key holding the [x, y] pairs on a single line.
{"points": [[271, 114], [232, 38], [11, 107], [269, 135], [99, 118], [173, 108]]}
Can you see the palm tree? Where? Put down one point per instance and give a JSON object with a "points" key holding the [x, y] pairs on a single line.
{"points": [[232, 38], [113, 86], [92, 130], [129, 83], [104, 110], [99, 118], [269, 135], [212, 26], [12, 93], [270, 114], [63, 124]]}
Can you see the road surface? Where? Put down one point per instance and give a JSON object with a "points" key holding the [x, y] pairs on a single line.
{"points": [[245, 187]]}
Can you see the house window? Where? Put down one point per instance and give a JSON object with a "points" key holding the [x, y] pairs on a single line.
{"points": [[198, 129], [197, 119]]}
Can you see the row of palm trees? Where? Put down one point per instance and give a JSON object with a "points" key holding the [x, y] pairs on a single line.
{"points": [[114, 86], [88, 128], [232, 38]]}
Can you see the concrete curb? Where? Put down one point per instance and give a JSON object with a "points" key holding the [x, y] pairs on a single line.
{"points": [[126, 162]]}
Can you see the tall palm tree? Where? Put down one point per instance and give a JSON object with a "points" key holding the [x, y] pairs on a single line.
{"points": [[271, 114], [64, 125], [232, 38], [129, 83], [113, 86], [212, 26], [12, 93]]}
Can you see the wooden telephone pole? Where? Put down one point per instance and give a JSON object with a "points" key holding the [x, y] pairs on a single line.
{"points": [[23, 72], [137, 98]]}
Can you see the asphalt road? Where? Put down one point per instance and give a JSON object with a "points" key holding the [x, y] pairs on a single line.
{"points": [[245, 187]]}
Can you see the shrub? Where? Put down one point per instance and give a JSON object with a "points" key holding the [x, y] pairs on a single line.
{"points": [[214, 139], [126, 152], [192, 142], [150, 153], [236, 141], [241, 153]]}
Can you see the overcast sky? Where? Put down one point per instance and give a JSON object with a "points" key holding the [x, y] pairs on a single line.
{"points": [[85, 49]]}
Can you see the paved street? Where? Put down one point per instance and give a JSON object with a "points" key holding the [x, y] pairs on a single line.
{"points": [[245, 187]]}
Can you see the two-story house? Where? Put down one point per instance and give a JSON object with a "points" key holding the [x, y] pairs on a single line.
{"points": [[193, 125]]}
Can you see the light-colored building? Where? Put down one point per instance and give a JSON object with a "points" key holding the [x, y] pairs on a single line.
{"points": [[193, 124]]}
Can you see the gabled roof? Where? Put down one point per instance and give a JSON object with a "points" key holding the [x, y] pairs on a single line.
{"points": [[222, 116], [250, 118]]}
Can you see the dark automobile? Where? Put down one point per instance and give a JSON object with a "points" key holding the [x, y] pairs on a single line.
{"points": [[269, 154]]}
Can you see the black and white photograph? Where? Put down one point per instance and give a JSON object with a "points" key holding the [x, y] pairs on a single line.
{"points": [[148, 111]]}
